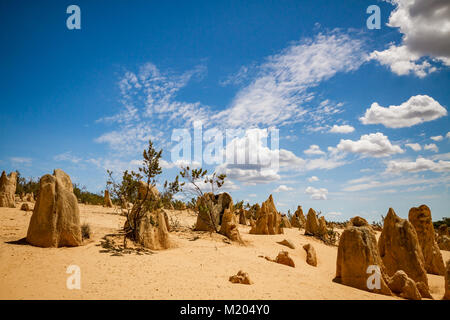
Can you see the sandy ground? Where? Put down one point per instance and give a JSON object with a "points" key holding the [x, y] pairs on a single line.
{"points": [[197, 268]]}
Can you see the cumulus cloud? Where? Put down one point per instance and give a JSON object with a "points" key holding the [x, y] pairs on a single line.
{"points": [[282, 188], [402, 62], [342, 129], [420, 164], [416, 110], [270, 161], [375, 145], [414, 146], [425, 28], [314, 150], [317, 194], [447, 135], [437, 138], [431, 147], [313, 179]]}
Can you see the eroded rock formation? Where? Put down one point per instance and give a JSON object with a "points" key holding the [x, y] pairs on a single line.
{"points": [[56, 219]]}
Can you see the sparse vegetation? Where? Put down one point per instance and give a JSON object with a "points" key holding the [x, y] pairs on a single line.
{"points": [[85, 196], [86, 231], [24, 186], [128, 191], [444, 220], [170, 189], [196, 179], [239, 205]]}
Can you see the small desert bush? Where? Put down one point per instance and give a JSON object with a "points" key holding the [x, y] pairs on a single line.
{"points": [[331, 238], [178, 205], [86, 231], [87, 197], [174, 224], [444, 220]]}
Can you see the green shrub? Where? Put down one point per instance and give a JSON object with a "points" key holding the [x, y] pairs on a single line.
{"points": [[86, 231]]}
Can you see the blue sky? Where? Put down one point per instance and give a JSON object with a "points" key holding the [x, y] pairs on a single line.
{"points": [[362, 114]]}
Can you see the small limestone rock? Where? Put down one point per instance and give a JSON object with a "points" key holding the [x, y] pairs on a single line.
{"points": [[358, 221], [283, 258], [153, 233], [421, 220], [423, 290], [401, 284], [298, 219], [285, 223], [287, 243], [268, 219], [242, 217], [311, 257], [315, 226], [8, 189], [211, 209], [107, 200], [229, 227], [447, 281], [241, 277]]}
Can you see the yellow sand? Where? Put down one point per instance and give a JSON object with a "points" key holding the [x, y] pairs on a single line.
{"points": [[195, 269]]}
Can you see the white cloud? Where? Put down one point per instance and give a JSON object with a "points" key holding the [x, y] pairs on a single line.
{"points": [[239, 77], [20, 160], [442, 156], [313, 179], [414, 146], [426, 29], [165, 164], [421, 164], [317, 194], [447, 135], [375, 183], [375, 145], [326, 163], [115, 165], [279, 94], [314, 150], [437, 138], [334, 213], [342, 129], [283, 188], [149, 107], [266, 169], [431, 147], [178, 164], [417, 109], [67, 156], [127, 139], [402, 61]]}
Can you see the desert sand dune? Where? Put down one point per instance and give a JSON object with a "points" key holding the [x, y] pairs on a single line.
{"points": [[197, 268]]}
